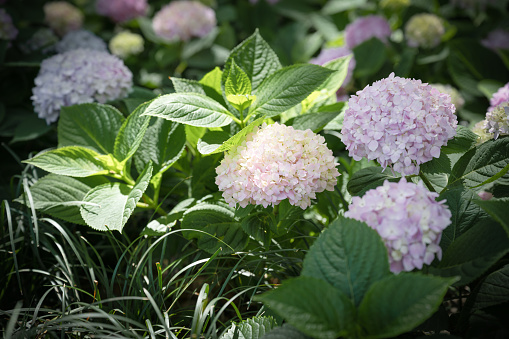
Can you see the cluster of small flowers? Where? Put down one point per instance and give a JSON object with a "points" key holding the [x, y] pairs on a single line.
{"points": [[365, 28], [499, 97], [400, 122], [121, 10], [62, 17], [126, 43], [482, 132], [497, 39], [7, 29], [497, 121], [274, 163], [80, 39], [184, 19], [424, 30], [456, 98], [76, 77], [408, 219], [329, 54]]}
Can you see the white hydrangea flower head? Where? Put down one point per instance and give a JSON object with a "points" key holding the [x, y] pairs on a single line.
{"points": [[456, 98], [183, 20], [121, 10], [62, 17], [274, 163], [76, 77], [424, 30], [365, 28], [497, 39], [7, 29], [400, 122], [126, 43], [482, 132], [497, 121], [81, 39], [409, 220], [499, 97]]}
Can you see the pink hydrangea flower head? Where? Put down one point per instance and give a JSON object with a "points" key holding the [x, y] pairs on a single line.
{"points": [[62, 17], [497, 120], [482, 132], [400, 122], [409, 220], [184, 19], [78, 76], [274, 163], [365, 28], [497, 39], [7, 29], [329, 54], [499, 97], [424, 30], [121, 10]]}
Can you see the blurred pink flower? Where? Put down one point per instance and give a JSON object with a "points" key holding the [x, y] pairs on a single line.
{"points": [[62, 17], [121, 10], [365, 28], [7, 29], [497, 39], [499, 97]]}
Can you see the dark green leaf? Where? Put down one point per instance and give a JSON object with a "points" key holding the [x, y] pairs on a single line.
{"points": [[464, 140], [494, 289], [260, 226], [498, 209], [313, 121], [368, 178], [187, 86], [30, 128], [369, 57], [285, 332]]}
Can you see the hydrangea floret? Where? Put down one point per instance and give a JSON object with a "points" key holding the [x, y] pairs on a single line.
{"points": [[121, 10], [7, 29], [456, 97], [62, 17], [400, 122], [126, 43], [182, 20], [80, 39], [274, 163], [365, 28], [499, 97], [424, 30], [497, 39], [497, 121], [409, 220], [76, 77]]}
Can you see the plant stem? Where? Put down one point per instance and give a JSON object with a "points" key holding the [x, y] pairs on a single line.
{"points": [[426, 181]]}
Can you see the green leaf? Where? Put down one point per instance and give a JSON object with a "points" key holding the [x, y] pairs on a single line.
{"points": [[464, 140], [465, 213], [399, 303], [212, 84], [312, 306], [187, 86], [474, 252], [336, 79], [369, 57], [260, 226], [285, 332], [61, 196], [114, 203], [237, 81], [287, 87], [349, 255], [368, 178], [214, 227], [488, 87], [240, 101], [255, 57], [494, 289], [74, 161], [313, 121], [211, 141], [29, 128], [163, 144], [191, 109], [479, 165], [131, 134], [232, 142], [89, 125], [498, 209], [159, 226], [337, 6], [252, 328]]}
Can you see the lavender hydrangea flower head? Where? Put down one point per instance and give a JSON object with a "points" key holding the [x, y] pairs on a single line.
{"points": [[121, 10], [62, 17], [276, 162], [456, 98], [400, 122], [424, 30], [482, 132], [184, 19], [497, 39], [408, 219], [497, 121], [365, 28], [80, 39], [499, 97], [126, 43], [76, 77], [7, 29], [329, 54]]}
